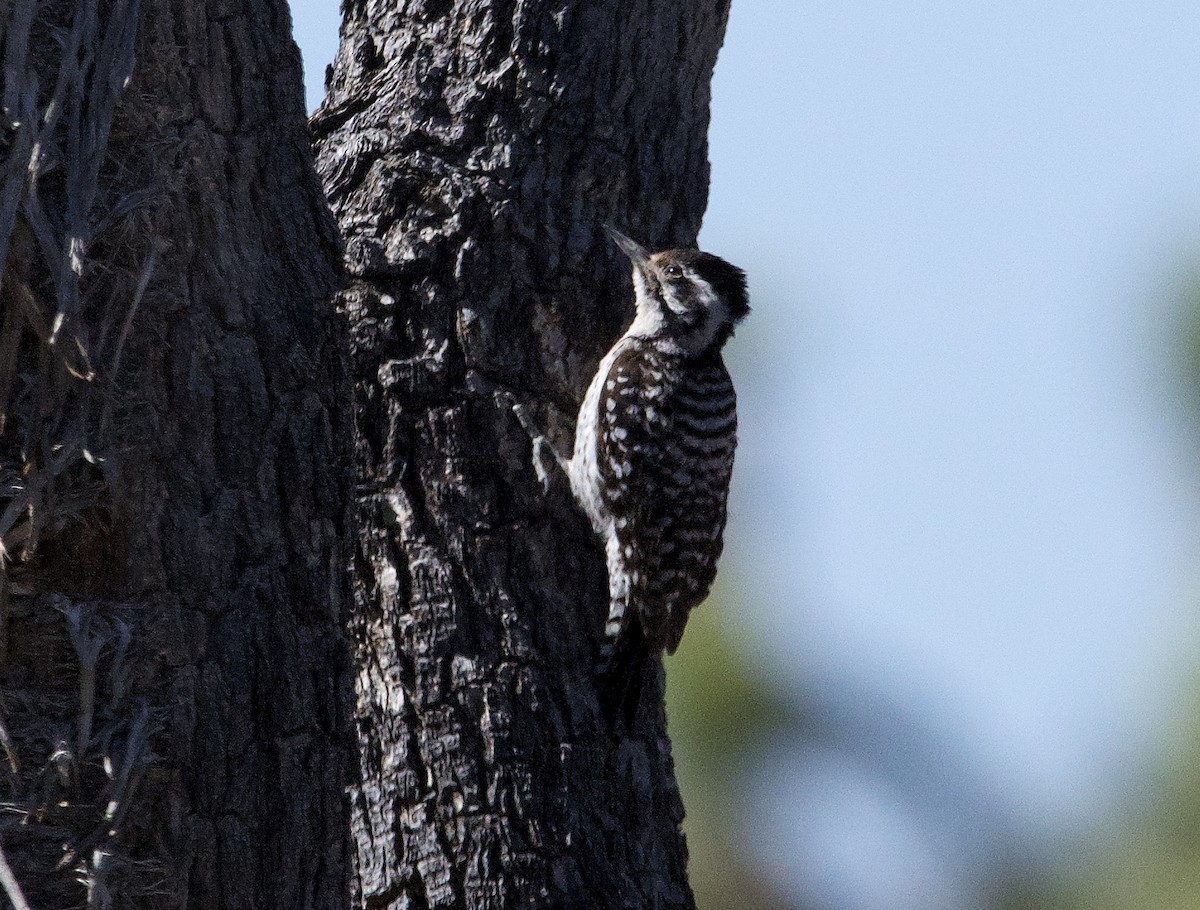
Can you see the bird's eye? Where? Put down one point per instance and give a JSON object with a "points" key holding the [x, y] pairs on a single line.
{"points": [[673, 271]]}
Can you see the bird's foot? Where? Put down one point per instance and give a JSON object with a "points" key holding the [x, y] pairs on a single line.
{"points": [[545, 455]]}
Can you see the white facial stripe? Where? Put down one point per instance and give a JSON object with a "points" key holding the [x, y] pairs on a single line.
{"points": [[674, 304], [716, 312], [714, 306], [688, 323]]}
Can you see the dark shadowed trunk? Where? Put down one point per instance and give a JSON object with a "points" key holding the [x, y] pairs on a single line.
{"points": [[473, 151], [170, 488], [174, 694]]}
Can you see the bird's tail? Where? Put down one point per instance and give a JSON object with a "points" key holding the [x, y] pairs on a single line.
{"points": [[624, 668]]}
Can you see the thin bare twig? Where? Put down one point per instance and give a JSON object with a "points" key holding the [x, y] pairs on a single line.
{"points": [[122, 782], [17, 46], [143, 282], [88, 645], [10, 749], [10, 339], [17, 172], [11, 886]]}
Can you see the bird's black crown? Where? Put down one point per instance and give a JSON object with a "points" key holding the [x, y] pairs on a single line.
{"points": [[726, 279]]}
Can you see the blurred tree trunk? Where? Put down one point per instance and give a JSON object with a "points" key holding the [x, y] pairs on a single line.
{"points": [[473, 151], [171, 493]]}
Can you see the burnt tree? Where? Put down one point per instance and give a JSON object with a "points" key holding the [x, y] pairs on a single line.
{"points": [[171, 489], [254, 551], [473, 151]]}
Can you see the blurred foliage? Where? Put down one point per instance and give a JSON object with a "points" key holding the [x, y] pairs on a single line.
{"points": [[1187, 333], [719, 712], [1155, 858], [1149, 859]]}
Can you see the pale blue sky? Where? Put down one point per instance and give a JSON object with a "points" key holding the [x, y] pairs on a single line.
{"points": [[962, 489]]}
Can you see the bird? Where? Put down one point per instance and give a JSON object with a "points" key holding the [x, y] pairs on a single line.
{"points": [[654, 449]]}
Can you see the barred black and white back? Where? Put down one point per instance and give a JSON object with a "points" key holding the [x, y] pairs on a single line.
{"points": [[655, 439]]}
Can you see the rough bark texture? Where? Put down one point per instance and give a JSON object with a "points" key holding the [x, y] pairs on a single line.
{"points": [[172, 495], [473, 151]]}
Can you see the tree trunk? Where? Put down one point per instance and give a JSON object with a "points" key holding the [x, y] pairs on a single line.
{"points": [[172, 493], [473, 151]]}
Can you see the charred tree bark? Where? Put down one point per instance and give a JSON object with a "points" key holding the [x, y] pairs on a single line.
{"points": [[473, 151], [172, 497]]}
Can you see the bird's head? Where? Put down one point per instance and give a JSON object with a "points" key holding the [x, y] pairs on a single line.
{"points": [[686, 298]]}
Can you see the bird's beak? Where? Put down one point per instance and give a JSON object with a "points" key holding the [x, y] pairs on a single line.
{"points": [[635, 251]]}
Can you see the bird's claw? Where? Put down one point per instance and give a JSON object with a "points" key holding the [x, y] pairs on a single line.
{"points": [[540, 456], [543, 454]]}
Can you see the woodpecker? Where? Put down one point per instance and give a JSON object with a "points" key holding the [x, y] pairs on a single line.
{"points": [[654, 444]]}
